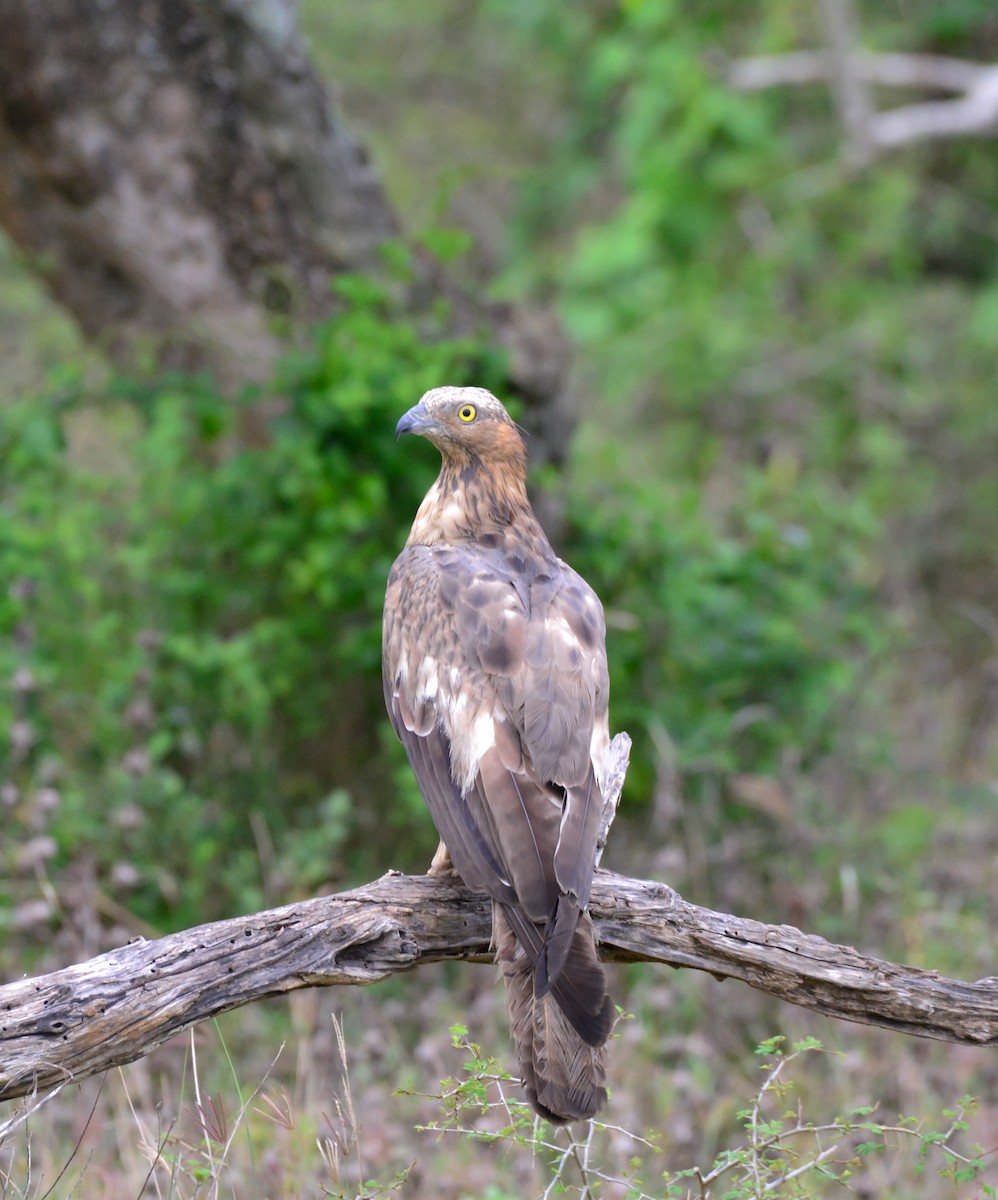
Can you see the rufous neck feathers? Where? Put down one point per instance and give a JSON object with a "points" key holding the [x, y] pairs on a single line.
{"points": [[472, 499]]}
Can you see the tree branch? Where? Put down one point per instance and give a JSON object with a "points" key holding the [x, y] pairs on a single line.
{"points": [[930, 71], [973, 112], [119, 1006], [851, 89]]}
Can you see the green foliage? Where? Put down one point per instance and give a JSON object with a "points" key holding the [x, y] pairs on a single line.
{"points": [[741, 297], [741, 640], [190, 611], [196, 610], [786, 493]]}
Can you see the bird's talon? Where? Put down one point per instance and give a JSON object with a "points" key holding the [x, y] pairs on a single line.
{"points": [[441, 864]]}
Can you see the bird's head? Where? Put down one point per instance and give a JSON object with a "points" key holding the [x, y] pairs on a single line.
{"points": [[467, 425]]}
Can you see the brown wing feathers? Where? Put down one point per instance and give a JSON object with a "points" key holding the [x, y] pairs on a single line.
{"points": [[495, 681]]}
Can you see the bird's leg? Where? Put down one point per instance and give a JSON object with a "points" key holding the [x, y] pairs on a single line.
{"points": [[441, 864]]}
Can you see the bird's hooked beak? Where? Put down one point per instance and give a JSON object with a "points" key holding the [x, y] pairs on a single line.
{"points": [[416, 420]]}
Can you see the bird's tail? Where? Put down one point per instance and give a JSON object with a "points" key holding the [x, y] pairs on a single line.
{"points": [[560, 1037]]}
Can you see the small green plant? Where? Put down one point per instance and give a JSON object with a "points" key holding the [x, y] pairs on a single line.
{"points": [[780, 1151], [477, 1089], [784, 1153], [476, 1106]]}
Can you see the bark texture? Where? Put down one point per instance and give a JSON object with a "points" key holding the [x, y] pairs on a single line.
{"points": [[121, 1005], [175, 171]]}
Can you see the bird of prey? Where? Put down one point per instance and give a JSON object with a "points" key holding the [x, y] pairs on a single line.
{"points": [[495, 676]]}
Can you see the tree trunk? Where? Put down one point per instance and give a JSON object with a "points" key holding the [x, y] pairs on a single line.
{"points": [[174, 170]]}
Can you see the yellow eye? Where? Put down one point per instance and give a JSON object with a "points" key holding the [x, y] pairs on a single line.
{"points": [[467, 412]]}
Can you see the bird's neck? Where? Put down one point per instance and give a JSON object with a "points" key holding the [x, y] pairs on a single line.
{"points": [[474, 501]]}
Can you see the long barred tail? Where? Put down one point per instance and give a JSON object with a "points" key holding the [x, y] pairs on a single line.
{"points": [[560, 1037]]}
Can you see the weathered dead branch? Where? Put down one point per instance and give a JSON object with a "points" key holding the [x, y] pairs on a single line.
{"points": [[119, 1006]]}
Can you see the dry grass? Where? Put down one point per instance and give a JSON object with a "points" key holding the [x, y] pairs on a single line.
{"points": [[338, 1092], [229, 1110]]}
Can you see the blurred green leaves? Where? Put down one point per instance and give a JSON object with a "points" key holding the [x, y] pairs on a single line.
{"points": [[198, 602], [743, 638], [200, 608]]}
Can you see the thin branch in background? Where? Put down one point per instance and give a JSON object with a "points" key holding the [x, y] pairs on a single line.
{"points": [[851, 72], [975, 114], [851, 88]]}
